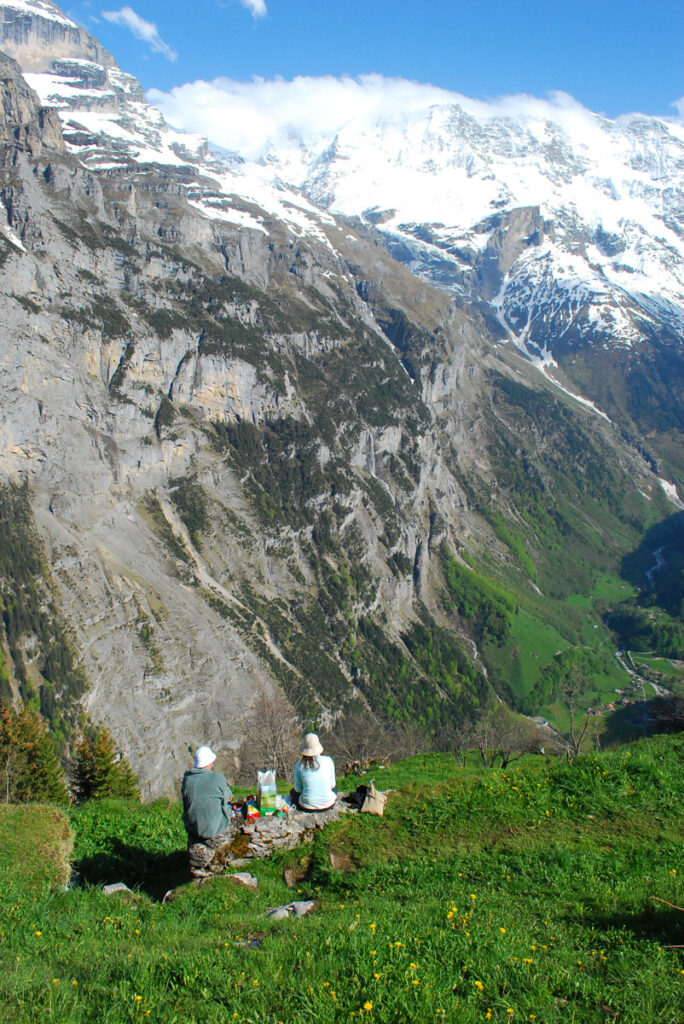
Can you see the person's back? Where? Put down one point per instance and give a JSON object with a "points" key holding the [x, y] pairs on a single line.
{"points": [[314, 777], [206, 798]]}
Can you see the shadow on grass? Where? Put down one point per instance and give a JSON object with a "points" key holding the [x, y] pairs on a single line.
{"points": [[138, 868], [645, 718], [658, 922]]}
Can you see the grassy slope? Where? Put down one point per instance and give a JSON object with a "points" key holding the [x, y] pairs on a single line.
{"points": [[36, 845], [542, 626], [479, 896]]}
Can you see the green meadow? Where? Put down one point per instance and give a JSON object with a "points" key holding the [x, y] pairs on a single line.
{"points": [[542, 627], [481, 895]]}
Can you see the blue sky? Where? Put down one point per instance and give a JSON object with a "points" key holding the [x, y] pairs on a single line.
{"points": [[612, 57]]}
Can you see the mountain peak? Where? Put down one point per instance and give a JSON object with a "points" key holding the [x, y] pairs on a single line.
{"points": [[36, 32]]}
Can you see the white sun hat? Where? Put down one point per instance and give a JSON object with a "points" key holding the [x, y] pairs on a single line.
{"points": [[311, 747], [204, 756]]}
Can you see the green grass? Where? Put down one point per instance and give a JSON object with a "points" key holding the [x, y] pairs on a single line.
{"points": [[540, 627], [674, 670], [522, 895], [534, 643], [611, 588], [35, 845]]}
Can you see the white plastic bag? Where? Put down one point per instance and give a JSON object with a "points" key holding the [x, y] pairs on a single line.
{"points": [[266, 792]]}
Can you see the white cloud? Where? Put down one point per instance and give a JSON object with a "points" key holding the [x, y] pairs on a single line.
{"points": [[247, 116], [257, 7], [141, 29], [679, 107], [251, 117]]}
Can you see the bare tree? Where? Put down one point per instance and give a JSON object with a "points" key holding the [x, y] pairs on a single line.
{"points": [[358, 740], [409, 739], [572, 690], [498, 735], [272, 732]]}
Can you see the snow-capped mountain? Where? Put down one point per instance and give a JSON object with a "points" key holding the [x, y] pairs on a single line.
{"points": [[108, 124], [569, 224], [565, 229]]}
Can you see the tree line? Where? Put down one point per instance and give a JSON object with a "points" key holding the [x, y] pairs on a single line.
{"points": [[31, 771]]}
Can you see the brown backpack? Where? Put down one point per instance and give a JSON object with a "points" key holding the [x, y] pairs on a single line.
{"points": [[375, 801]]}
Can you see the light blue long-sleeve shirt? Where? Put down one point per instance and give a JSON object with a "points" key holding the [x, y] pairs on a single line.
{"points": [[316, 786]]}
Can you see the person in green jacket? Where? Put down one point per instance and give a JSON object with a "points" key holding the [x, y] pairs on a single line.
{"points": [[207, 815]]}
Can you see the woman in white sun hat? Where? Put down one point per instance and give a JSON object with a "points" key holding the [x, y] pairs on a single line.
{"points": [[314, 777]]}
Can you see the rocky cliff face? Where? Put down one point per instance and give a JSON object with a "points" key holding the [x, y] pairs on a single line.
{"points": [[37, 32], [250, 431]]}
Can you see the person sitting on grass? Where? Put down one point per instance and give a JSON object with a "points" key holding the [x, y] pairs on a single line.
{"points": [[314, 777], [207, 815]]}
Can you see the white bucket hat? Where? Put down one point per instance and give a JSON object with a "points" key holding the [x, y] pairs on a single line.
{"points": [[204, 756], [311, 746]]}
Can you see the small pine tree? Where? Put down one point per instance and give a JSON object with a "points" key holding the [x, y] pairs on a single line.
{"points": [[98, 772], [29, 767]]}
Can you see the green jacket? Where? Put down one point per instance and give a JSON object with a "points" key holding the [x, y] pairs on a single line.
{"points": [[206, 802]]}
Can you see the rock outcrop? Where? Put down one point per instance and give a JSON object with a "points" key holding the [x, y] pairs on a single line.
{"points": [[38, 32]]}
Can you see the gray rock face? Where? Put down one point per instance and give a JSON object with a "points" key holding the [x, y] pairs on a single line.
{"points": [[25, 125], [37, 31], [97, 333]]}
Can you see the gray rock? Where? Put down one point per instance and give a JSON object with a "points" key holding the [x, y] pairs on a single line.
{"points": [[243, 878], [278, 913], [109, 890], [299, 908], [302, 907]]}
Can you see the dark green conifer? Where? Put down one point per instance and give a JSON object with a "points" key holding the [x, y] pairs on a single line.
{"points": [[30, 770], [99, 772]]}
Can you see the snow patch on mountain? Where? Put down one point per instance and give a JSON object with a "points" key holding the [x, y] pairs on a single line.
{"points": [[40, 8], [111, 125]]}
